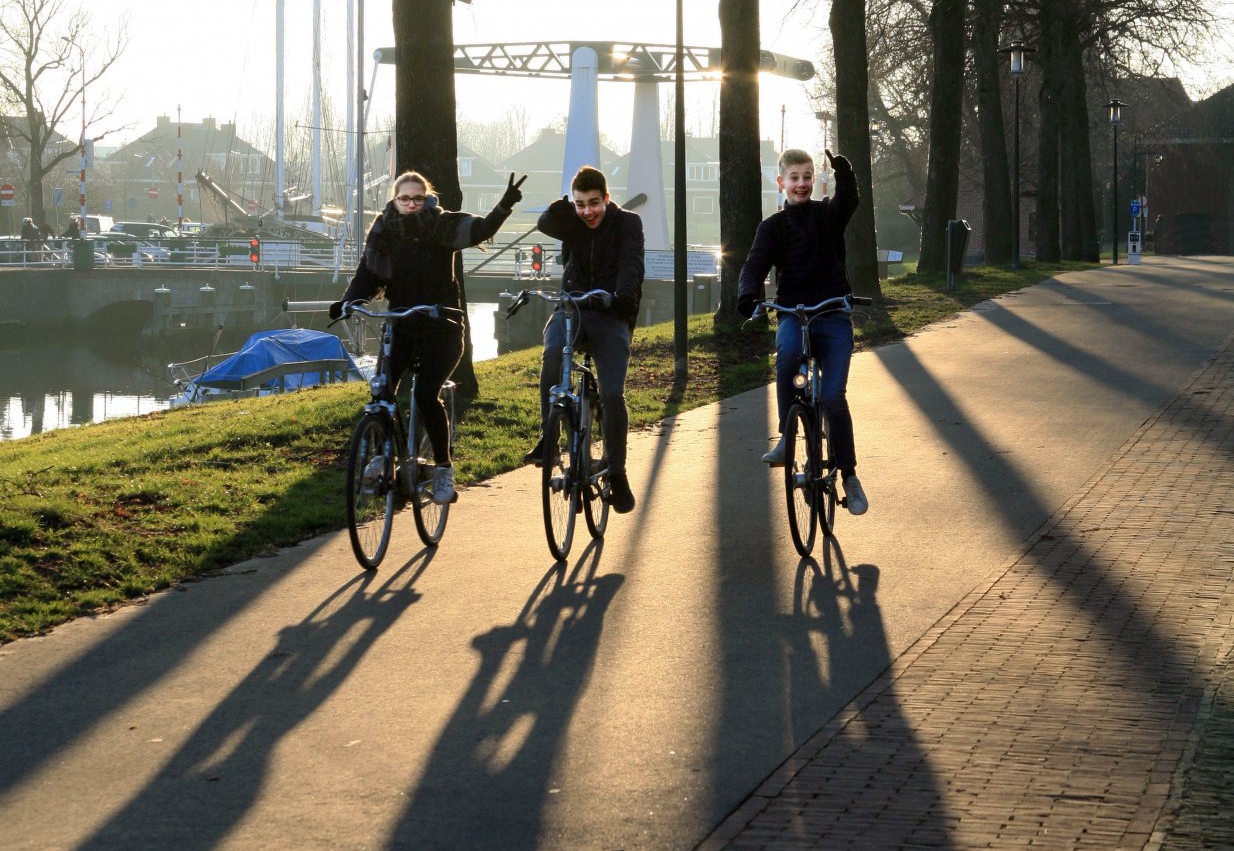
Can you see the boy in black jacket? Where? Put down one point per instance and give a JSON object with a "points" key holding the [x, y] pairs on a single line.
{"points": [[602, 247], [805, 243]]}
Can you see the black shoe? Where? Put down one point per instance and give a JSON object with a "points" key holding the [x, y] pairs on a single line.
{"points": [[535, 456], [620, 496]]}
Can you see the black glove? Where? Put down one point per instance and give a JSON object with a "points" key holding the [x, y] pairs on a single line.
{"points": [[746, 305], [625, 306], [840, 163], [513, 194], [562, 209], [336, 310]]}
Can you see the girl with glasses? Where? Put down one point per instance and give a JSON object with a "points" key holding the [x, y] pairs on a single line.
{"points": [[409, 254]]}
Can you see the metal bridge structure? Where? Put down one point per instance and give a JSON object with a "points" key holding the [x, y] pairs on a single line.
{"points": [[586, 64]]}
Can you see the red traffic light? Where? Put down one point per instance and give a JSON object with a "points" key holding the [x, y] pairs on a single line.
{"points": [[537, 259], [255, 251]]}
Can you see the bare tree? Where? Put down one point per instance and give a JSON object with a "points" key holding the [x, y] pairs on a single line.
{"points": [[497, 140], [740, 178], [425, 121], [48, 57]]}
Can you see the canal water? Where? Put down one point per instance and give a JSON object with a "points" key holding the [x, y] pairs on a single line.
{"points": [[55, 383]]}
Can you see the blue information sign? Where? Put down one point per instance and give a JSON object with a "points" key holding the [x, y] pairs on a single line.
{"points": [[1135, 208]]}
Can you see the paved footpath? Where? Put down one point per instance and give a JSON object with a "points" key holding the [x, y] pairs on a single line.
{"points": [[691, 671], [1082, 696]]}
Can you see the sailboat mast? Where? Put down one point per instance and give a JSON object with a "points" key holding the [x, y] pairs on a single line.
{"points": [[317, 107], [280, 184]]}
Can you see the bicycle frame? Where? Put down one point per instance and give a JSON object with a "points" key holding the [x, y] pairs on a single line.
{"points": [[579, 481], [401, 472]]}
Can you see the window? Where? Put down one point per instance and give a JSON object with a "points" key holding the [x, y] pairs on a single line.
{"points": [[703, 171], [464, 167], [704, 205]]}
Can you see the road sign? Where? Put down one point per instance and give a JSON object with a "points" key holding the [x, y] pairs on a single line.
{"points": [[1135, 207], [252, 207], [7, 194], [153, 192]]}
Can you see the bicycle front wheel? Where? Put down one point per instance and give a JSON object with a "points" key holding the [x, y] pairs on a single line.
{"points": [[371, 488], [828, 477], [430, 517], [801, 478], [559, 493], [595, 475]]}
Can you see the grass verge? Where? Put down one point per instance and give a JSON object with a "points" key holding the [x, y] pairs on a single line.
{"points": [[94, 516]]}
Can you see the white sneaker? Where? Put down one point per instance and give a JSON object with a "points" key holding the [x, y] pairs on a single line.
{"points": [[443, 485], [371, 478], [776, 456], [855, 496]]}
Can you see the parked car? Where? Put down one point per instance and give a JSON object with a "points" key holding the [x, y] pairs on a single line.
{"points": [[146, 230], [99, 224], [120, 245]]}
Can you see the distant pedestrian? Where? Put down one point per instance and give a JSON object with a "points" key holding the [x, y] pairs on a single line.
{"points": [[72, 231], [30, 233]]}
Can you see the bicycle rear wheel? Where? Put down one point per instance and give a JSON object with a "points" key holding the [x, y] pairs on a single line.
{"points": [[430, 517], [595, 474], [560, 496], [371, 488], [801, 477]]}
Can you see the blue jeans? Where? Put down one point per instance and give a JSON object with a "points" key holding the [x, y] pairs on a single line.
{"points": [[831, 339], [608, 339]]}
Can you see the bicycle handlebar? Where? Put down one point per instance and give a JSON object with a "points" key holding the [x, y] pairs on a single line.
{"points": [[433, 311], [560, 297], [830, 305]]}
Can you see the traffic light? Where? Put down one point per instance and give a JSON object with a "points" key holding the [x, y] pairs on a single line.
{"points": [[255, 250], [537, 260]]}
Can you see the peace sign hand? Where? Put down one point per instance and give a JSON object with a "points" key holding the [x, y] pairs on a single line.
{"points": [[513, 195]]}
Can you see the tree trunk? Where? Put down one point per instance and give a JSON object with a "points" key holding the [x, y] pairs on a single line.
{"points": [[946, 111], [1046, 236], [741, 207], [847, 22], [996, 199], [1078, 210], [425, 122]]}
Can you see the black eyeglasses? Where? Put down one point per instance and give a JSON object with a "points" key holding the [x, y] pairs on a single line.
{"points": [[407, 199]]}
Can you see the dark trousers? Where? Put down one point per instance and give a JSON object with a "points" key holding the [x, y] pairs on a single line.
{"points": [[831, 340], [608, 339], [439, 350]]}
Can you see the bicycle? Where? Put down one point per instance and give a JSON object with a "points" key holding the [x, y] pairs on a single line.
{"points": [[574, 470], [810, 473], [389, 460]]}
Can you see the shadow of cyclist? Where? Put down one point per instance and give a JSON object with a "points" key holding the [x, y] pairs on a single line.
{"points": [[206, 789], [490, 774]]}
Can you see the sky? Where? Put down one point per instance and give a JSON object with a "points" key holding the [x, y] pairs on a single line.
{"points": [[218, 60]]}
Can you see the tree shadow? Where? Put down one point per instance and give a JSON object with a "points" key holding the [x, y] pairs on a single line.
{"points": [[488, 780], [210, 784]]}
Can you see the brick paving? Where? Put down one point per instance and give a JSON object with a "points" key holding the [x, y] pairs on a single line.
{"points": [[1082, 696]]}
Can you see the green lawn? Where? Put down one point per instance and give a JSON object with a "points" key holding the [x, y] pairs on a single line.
{"points": [[91, 517]]}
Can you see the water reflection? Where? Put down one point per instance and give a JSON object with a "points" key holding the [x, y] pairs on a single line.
{"points": [[50, 383]]}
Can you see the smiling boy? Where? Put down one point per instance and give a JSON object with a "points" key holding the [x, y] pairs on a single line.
{"points": [[805, 244], [601, 248]]}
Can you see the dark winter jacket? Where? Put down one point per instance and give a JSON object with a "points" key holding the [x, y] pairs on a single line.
{"points": [[805, 244], [411, 257], [608, 258]]}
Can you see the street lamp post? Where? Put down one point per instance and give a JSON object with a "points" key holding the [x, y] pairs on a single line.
{"points": [[1016, 51], [81, 222], [1116, 117]]}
